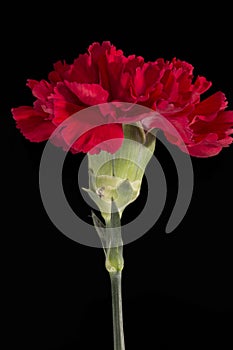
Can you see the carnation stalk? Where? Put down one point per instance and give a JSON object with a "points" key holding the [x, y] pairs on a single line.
{"points": [[115, 182], [114, 263], [118, 331]]}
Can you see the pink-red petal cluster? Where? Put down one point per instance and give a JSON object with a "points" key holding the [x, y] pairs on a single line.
{"points": [[104, 74]]}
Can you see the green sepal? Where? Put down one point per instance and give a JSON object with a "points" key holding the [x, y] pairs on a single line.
{"points": [[111, 239]]}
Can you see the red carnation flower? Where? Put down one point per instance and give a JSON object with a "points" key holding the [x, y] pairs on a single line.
{"points": [[104, 75]]}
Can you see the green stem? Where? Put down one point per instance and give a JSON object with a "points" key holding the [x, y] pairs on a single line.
{"points": [[110, 236], [118, 332]]}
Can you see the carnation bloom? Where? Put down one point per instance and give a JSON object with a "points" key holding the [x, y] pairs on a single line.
{"points": [[103, 75]]}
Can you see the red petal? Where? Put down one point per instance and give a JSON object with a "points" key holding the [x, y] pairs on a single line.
{"points": [[65, 103], [225, 117], [201, 85], [89, 94], [40, 89], [109, 64], [33, 124], [208, 147], [208, 108], [107, 137], [83, 70], [60, 72]]}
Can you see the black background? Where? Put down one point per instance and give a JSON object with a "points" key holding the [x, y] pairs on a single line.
{"points": [[177, 288]]}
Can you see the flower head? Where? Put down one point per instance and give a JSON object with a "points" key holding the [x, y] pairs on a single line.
{"points": [[104, 74]]}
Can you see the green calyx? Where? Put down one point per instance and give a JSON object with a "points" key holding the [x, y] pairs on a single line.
{"points": [[117, 177]]}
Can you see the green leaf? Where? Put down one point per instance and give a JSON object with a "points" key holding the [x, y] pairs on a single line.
{"points": [[101, 230]]}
